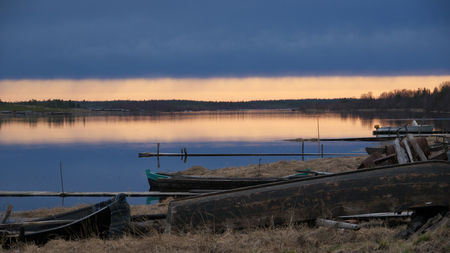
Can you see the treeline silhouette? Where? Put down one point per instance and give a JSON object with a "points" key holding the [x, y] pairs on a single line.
{"points": [[54, 103], [424, 99]]}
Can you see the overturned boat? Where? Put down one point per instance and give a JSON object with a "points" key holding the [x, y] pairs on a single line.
{"points": [[106, 219], [383, 189], [165, 182]]}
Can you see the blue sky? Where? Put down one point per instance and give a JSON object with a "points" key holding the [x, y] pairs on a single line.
{"points": [[50, 39]]}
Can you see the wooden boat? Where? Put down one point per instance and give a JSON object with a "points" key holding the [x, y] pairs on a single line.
{"points": [[413, 128], [177, 183], [106, 219], [383, 189]]}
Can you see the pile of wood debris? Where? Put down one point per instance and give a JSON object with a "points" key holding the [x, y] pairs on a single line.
{"points": [[408, 149]]}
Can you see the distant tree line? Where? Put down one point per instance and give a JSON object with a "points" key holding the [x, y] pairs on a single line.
{"points": [[54, 103], [425, 99]]}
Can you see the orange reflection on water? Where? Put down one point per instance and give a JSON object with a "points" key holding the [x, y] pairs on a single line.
{"points": [[180, 127]]}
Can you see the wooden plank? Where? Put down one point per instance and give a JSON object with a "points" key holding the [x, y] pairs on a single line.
{"points": [[408, 150], [7, 214], [401, 155], [377, 215], [384, 158], [416, 147], [92, 194], [149, 154], [336, 224], [371, 138]]}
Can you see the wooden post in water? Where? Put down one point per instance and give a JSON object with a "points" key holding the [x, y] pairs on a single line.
{"points": [[157, 152], [318, 134], [62, 181], [321, 154], [303, 150]]}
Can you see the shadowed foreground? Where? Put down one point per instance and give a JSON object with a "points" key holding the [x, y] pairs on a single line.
{"points": [[374, 236], [288, 239]]}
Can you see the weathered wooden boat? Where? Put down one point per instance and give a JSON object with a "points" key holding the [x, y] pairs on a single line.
{"points": [[382, 189], [413, 128], [106, 219], [165, 182]]}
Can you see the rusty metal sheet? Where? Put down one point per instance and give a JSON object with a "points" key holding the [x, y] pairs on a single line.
{"points": [[382, 189]]}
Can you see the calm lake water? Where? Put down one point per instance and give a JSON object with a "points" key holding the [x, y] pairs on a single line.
{"points": [[100, 153]]}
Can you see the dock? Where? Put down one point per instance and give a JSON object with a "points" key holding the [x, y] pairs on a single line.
{"points": [[149, 154], [94, 194]]}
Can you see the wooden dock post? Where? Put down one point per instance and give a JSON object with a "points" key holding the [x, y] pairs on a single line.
{"points": [[318, 134], [303, 150], [62, 181], [157, 152], [321, 154]]}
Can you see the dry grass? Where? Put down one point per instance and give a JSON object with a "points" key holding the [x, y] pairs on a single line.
{"points": [[43, 212], [288, 239], [281, 168]]}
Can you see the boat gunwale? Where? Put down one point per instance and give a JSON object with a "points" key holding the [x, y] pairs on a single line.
{"points": [[84, 218]]}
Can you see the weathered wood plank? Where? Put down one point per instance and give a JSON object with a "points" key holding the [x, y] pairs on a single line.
{"points": [[149, 154], [401, 155], [91, 194], [408, 150], [416, 147], [336, 224], [7, 214]]}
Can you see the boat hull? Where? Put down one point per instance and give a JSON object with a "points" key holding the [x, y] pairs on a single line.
{"points": [[106, 219], [186, 184], [383, 189]]}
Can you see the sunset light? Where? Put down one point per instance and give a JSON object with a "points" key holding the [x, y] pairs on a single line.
{"points": [[212, 89]]}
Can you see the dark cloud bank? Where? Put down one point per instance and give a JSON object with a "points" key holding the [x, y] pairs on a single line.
{"points": [[110, 39]]}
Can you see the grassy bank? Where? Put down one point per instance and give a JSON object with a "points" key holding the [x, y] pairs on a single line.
{"points": [[286, 239], [374, 236]]}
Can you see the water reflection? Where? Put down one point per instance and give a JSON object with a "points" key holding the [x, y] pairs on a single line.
{"points": [[186, 127], [190, 127]]}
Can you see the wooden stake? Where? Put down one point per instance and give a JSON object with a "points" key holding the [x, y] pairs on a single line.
{"points": [[408, 150], [62, 181], [318, 133], [7, 214], [303, 150], [157, 150], [401, 155], [416, 147]]}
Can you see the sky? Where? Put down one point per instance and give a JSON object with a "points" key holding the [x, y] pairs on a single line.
{"points": [[251, 47]]}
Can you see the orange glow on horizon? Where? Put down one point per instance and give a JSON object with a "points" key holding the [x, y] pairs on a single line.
{"points": [[211, 89]]}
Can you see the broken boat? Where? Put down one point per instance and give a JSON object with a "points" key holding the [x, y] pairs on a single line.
{"points": [[107, 219], [392, 188]]}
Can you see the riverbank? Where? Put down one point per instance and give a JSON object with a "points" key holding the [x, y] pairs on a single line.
{"points": [[374, 236]]}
